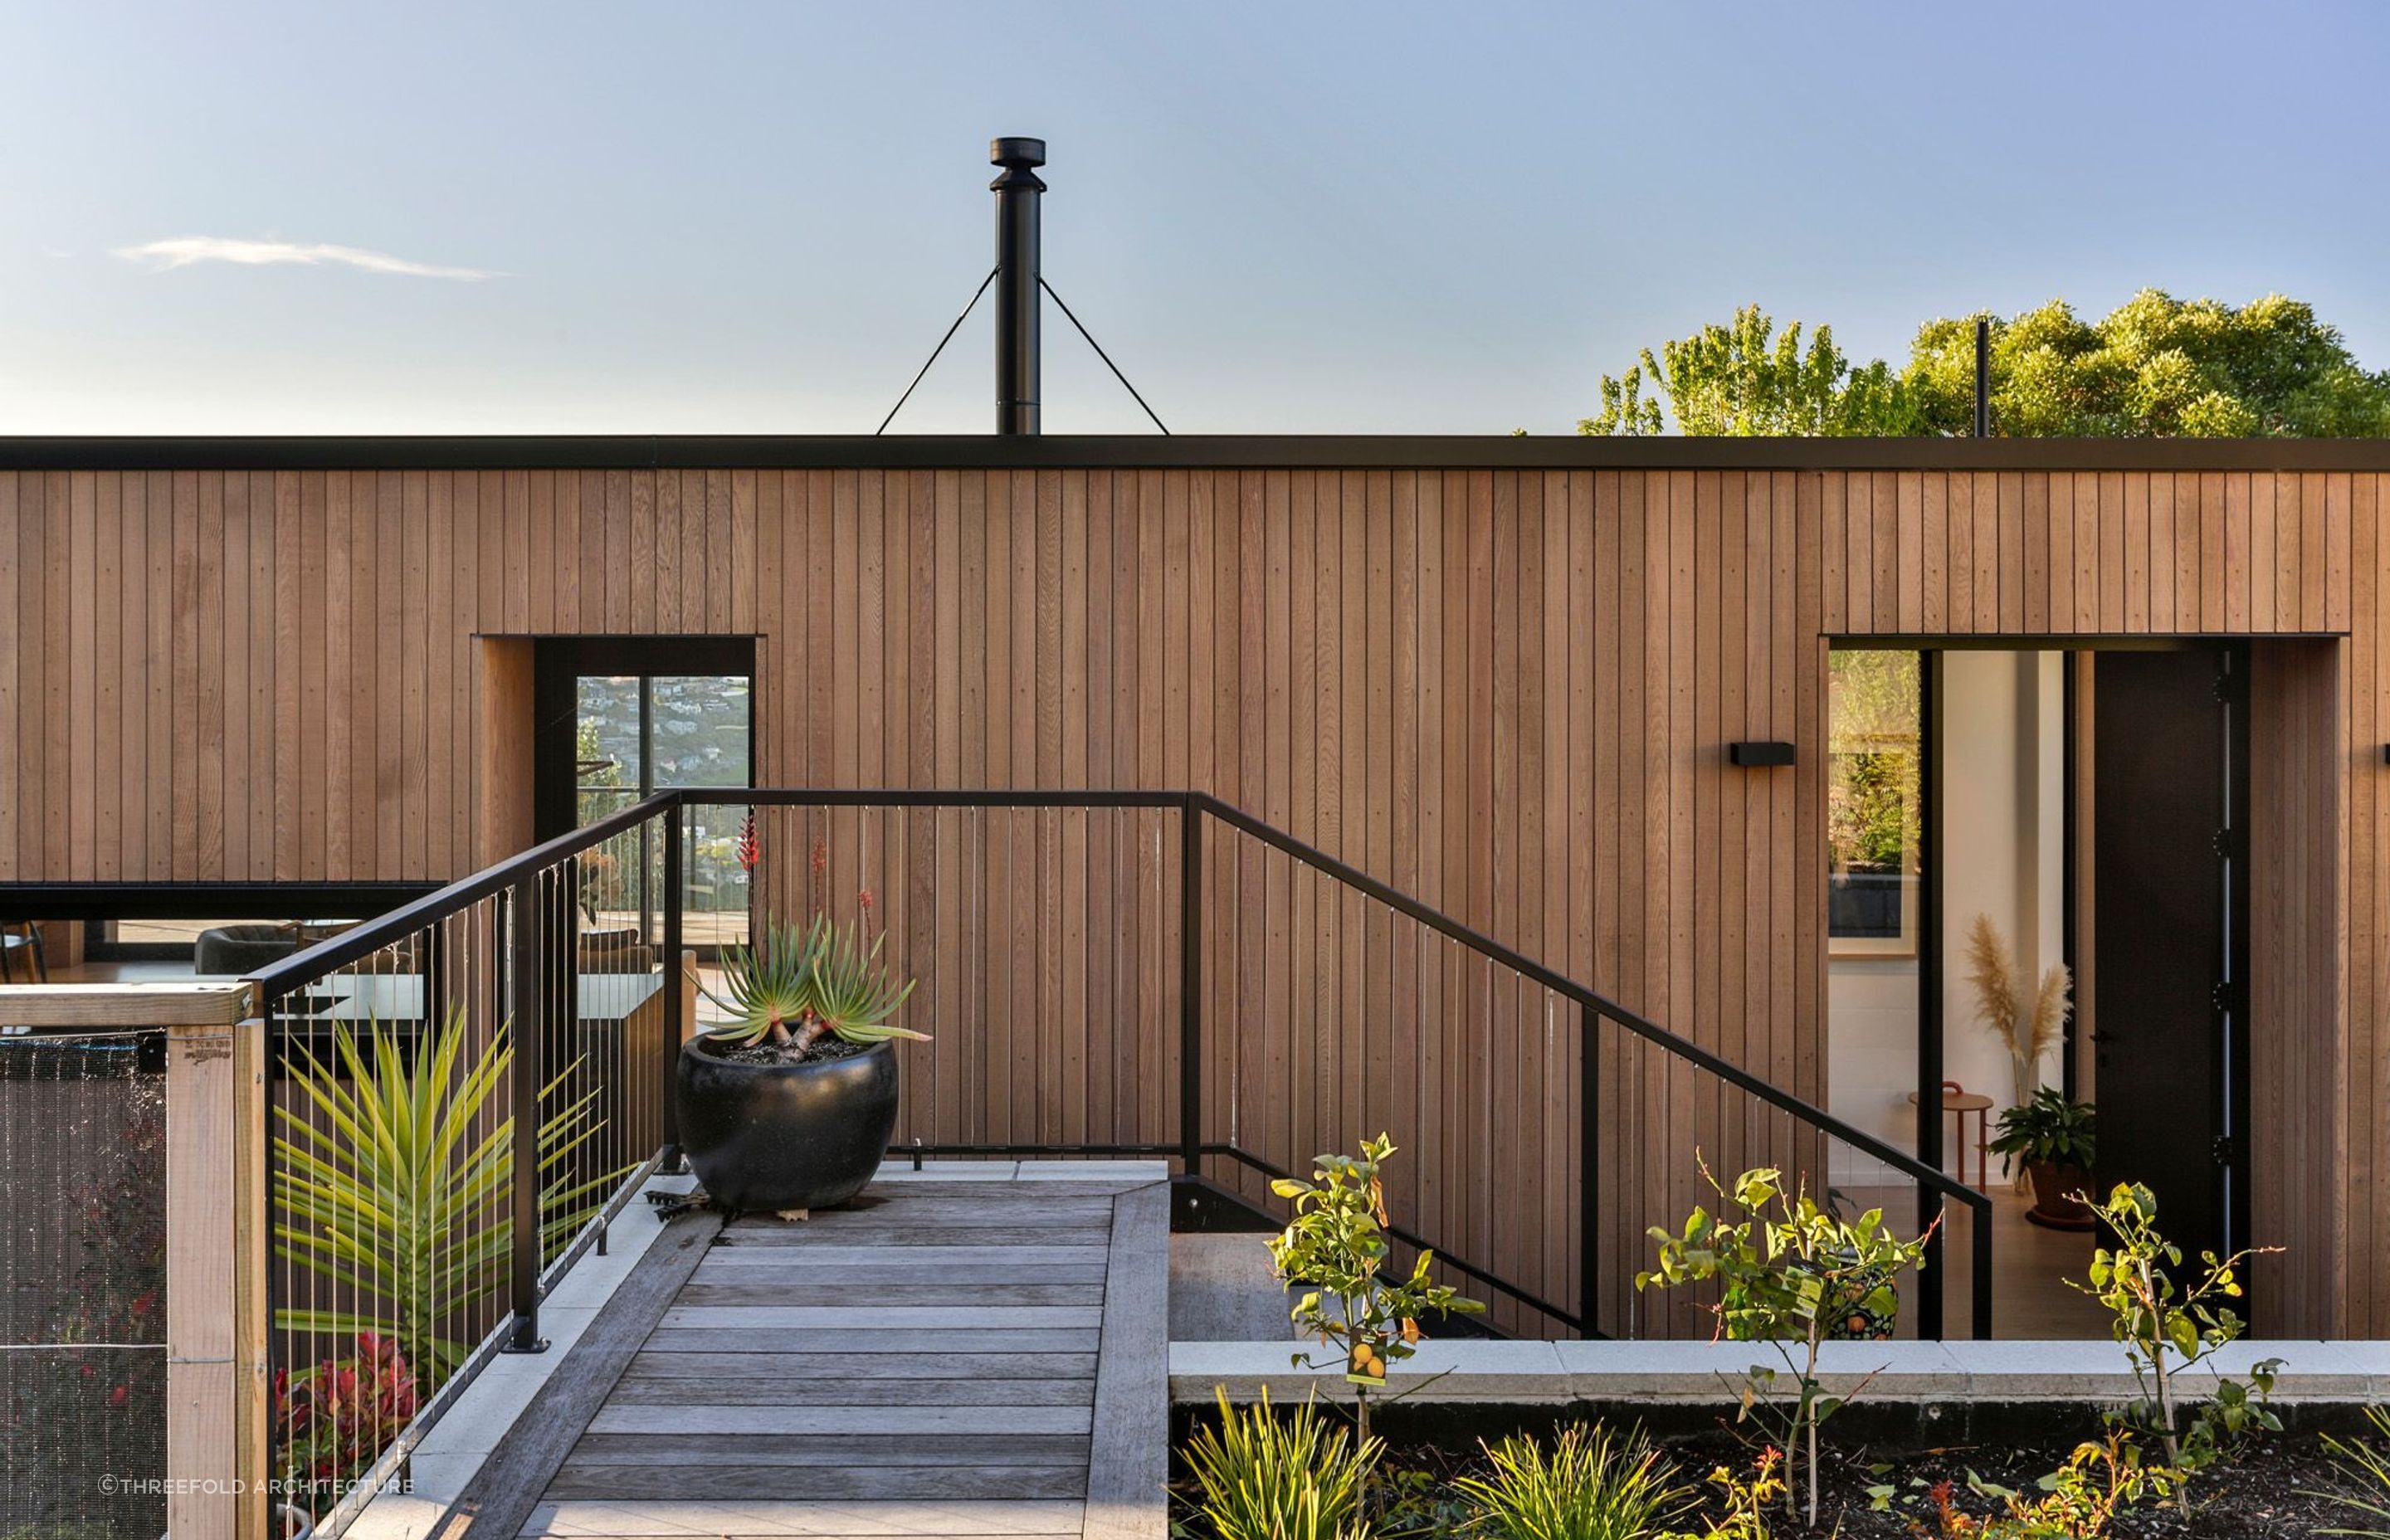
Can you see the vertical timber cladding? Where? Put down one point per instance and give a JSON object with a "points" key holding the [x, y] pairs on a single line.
{"points": [[1508, 691]]}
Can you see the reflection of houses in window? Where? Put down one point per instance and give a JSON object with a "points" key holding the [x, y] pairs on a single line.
{"points": [[637, 734], [1873, 767]]}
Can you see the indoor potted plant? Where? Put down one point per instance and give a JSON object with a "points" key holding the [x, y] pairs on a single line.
{"points": [[2056, 1140], [787, 1104]]}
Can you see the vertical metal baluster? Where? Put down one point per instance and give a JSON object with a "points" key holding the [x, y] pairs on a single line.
{"points": [[1191, 988], [676, 1029], [523, 977], [1588, 1133], [1981, 1270]]}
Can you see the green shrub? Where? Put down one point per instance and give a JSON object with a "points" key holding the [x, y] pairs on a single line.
{"points": [[1336, 1249], [2170, 1319], [1791, 1271], [1744, 1500], [1590, 1486], [1269, 1478]]}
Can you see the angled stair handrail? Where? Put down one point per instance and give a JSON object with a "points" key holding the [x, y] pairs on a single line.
{"points": [[1601, 1004]]}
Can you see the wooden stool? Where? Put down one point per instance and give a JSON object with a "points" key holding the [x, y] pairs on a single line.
{"points": [[1958, 1101], [23, 936]]}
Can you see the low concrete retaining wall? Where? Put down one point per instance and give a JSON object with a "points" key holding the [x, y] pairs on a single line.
{"points": [[1691, 1373]]}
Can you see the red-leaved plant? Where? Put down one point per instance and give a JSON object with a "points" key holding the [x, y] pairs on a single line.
{"points": [[334, 1420]]}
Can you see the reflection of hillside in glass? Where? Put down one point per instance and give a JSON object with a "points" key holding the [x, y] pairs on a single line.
{"points": [[608, 742], [703, 731]]}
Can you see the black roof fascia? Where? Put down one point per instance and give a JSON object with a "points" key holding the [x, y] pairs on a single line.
{"points": [[977, 452]]}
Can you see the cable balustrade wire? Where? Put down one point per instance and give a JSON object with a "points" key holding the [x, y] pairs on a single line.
{"points": [[83, 1282], [462, 1093], [1076, 1012]]}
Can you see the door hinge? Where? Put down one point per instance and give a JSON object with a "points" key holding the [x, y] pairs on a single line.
{"points": [[2228, 1151], [2228, 843], [2228, 997]]}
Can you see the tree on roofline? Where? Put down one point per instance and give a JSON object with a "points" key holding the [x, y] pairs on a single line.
{"points": [[2155, 367]]}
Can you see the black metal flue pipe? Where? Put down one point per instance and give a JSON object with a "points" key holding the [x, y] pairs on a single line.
{"points": [[1018, 195], [1983, 379]]}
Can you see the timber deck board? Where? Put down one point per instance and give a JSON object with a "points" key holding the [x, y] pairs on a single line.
{"points": [[885, 1229], [833, 1253], [833, 1449], [944, 1359], [883, 1365], [772, 1287], [852, 1392], [718, 1339], [812, 1520]]}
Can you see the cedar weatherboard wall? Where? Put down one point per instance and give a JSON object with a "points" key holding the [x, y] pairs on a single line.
{"points": [[1506, 688]]}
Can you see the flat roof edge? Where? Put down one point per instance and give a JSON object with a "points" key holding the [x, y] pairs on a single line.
{"points": [[979, 452]]}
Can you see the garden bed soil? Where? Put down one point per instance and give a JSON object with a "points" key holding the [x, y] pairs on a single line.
{"points": [[2260, 1494]]}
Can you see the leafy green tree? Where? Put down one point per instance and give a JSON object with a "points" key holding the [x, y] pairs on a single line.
{"points": [[1874, 792], [1336, 1250], [1747, 380], [2172, 1319], [2155, 367], [1794, 1274]]}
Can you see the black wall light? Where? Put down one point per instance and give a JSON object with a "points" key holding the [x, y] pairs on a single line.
{"points": [[1757, 755]]}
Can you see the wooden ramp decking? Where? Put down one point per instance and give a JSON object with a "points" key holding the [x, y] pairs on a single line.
{"points": [[953, 1356]]}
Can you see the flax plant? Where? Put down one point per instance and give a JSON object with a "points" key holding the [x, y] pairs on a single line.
{"points": [[2364, 1470], [394, 1181], [1592, 1485], [1262, 1476]]}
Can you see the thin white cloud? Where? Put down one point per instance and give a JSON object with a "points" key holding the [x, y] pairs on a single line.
{"points": [[185, 250]]}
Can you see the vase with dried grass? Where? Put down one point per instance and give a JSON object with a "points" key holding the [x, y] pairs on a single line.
{"points": [[2028, 1024]]}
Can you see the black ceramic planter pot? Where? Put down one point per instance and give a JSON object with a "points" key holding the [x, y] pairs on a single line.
{"points": [[764, 1138]]}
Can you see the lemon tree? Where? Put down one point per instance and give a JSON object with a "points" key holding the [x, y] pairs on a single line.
{"points": [[1336, 1250]]}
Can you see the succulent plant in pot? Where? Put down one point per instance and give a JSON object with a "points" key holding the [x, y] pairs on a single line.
{"points": [[2056, 1140], [787, 1105]]}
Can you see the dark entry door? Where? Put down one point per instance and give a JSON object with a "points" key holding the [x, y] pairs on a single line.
{"points": [[2168, 789]]}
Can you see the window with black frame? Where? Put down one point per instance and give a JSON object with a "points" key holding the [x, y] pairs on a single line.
{"points": [[1875, 801], [635, 735]]}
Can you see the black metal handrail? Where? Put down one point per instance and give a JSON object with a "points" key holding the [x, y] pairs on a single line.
{"points": [[290, 974], [285, 977], [1593, 1004], [1196, 805]]}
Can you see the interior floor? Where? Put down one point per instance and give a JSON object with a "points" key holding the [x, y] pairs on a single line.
{"points": [[2030, 1266]]}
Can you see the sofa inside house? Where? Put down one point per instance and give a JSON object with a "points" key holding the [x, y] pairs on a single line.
{"points": [[239, 949]]}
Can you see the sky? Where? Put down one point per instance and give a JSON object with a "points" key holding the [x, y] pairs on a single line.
{"points": [[1283, 217]]}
